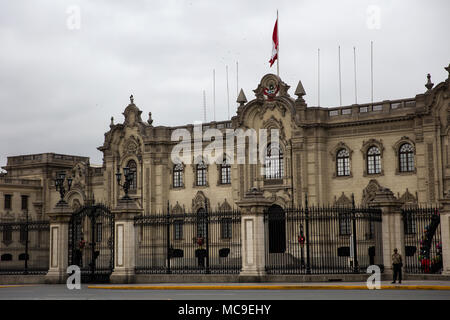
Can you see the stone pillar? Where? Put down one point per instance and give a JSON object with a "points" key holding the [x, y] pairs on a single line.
{"points": [[59, 243], [445, 233], [124, 241], [392, 229], [252, 207]]}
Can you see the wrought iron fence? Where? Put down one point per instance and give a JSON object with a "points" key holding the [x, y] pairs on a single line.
{"points": [[24, 247], [196, 242], [322, 240], [423, 246]]}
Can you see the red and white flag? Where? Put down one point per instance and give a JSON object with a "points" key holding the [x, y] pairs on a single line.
{"points": [[274, 43]]}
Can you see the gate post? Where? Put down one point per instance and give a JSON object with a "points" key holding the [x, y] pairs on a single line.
{"points": [[444, 211], [392, 229], [124, 241], [59, 243], [253, 233]]}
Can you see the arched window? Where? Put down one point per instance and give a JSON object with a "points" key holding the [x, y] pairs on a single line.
{"points": [[373, 160], [178, 175], [274, 165], [225, 171], [406, 158], [133, 169], [343, 163], [201, 174]]}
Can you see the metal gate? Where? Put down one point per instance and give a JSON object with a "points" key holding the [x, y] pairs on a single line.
{"points": [[423, 246], [91, 242]]}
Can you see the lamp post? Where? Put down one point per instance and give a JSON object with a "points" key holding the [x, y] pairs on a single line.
{"points": [[59, 184], [129, 175]]}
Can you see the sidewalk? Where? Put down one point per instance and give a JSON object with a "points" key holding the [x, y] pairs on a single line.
{"points": [[387, 285]]}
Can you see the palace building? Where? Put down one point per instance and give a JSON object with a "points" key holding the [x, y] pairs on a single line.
{"points": [[327, 154]]}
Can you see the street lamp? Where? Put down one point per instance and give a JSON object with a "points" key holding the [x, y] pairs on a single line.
{"points": [[59, 184], [129, 176]]}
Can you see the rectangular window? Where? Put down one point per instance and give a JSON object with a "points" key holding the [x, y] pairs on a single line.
{"points": [[396, 105], [8, 198], [345, 225], [23, 233], [226, 174], [226, 228], [409, 224], [178, 229], [363, 109], [24, 202], [7, 233]]}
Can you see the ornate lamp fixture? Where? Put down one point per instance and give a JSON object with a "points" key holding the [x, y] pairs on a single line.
{"points": [[129, 175], [59, 184]]}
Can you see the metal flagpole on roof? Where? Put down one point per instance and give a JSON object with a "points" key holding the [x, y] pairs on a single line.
{"points": [[340, 83], [371, 71], [228, 93], [278, 47], [214, 93], [354, 67], [318, 77], [204, 106]]}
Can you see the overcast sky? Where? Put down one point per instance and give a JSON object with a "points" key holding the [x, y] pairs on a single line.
{"points": [[60, 81]]}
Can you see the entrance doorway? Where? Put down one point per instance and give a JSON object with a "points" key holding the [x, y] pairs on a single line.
{"points": [[277, 229]]}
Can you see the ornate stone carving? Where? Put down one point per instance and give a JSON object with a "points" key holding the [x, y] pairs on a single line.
{"points": [[407, 198], [200, 201], [369, 192], [225, 206], [342, 201], [177, 209]]}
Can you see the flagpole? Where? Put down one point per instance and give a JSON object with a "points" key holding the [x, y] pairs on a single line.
{"points": [[237, 79], [340, 82], [318, 77], [228, 94], [354, 67], [214, 93], [204, 106], [278, 48], [371, 71]]}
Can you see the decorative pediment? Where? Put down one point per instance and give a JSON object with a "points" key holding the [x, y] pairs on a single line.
{"points": [[225, 206], [270, 87], [339, 146], [343, 201], [177, 209], [407, 198], [200, 201], [369, 192], [132, 146], [369, 143]]}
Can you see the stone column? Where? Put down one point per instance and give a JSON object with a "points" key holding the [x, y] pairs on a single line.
{"points": [[392, 229], [59, 243], [124, 241], [445, 233], [252, 232]]}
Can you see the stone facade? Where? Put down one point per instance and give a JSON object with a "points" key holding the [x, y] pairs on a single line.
{"points": [[310, 139]]}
